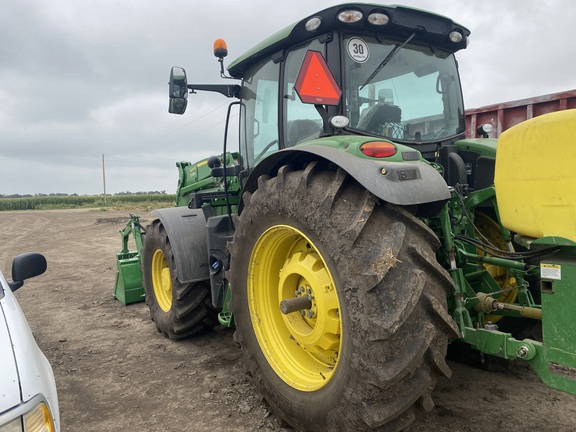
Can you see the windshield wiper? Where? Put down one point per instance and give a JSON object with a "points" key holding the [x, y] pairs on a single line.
{"points": [[389, 57]]}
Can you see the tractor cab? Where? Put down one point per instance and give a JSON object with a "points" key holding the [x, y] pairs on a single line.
{"points": [[385, 72]]}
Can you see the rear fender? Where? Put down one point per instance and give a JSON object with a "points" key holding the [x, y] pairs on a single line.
{"points": [[186, 230], [401, 183]]}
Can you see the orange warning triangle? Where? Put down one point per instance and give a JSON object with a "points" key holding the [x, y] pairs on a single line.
{"points": [[315, 83]]}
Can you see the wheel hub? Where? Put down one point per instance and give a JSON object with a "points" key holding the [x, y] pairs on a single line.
{"points": [[294, 308], [161, 280], [316, 328]]}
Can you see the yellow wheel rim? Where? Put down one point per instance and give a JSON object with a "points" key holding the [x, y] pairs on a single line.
{"points": [[161, 280], [489, 228], [302, 347]]}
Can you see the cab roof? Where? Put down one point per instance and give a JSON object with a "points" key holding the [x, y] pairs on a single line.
{"points": [[429, 28]]}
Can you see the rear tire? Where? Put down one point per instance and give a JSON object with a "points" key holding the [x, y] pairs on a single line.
{"points": [[381, 342], [178, 310]]}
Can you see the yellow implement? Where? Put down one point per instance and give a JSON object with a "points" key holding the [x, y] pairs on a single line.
{"points": [[536, 176]]}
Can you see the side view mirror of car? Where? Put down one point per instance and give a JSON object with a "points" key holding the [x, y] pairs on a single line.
{"points": [[26, 266]]}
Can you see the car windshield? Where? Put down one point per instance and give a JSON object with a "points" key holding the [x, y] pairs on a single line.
{"points": [[402, 92]]}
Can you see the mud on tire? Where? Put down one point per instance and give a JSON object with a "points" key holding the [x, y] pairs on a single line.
{"points": [[394, 325], [178, 310]]}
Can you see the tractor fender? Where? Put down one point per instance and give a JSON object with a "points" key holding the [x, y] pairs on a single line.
{"points": [[186, 230], [401, 183]]}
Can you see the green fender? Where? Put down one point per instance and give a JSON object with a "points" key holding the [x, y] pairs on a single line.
{"points": [[402, 183]]}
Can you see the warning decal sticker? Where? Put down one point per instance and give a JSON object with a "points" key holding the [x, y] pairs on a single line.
{"points": [[550, 271]]}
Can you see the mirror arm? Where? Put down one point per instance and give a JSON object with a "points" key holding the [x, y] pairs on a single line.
{"points": [[226, 90]]}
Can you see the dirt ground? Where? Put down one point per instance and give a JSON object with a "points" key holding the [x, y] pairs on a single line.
{"points": [[116, 373]]}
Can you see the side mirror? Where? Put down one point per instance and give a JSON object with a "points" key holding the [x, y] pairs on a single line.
{"points": [[177, 91], [26, 266]]}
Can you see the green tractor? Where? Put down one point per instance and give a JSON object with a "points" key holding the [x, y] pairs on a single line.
{"points": [[353, 232]]}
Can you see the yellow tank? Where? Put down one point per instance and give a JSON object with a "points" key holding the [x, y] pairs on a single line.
{"points": [[535, 176]]}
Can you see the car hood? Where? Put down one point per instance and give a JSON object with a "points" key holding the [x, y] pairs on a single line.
{"points": [[9, 382]]}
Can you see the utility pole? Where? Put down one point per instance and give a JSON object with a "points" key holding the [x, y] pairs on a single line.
{"points": [[104, 177]]}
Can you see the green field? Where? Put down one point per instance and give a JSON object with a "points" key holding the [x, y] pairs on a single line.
{"points": [[146, 201]]}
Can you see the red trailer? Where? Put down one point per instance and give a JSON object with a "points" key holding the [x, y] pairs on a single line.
{"points": [[507, 114]]}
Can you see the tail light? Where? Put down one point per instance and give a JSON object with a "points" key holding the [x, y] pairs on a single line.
{"points": [[378, 149]]}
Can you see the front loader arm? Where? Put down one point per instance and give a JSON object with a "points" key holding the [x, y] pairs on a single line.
{"points": [[132, 227]]}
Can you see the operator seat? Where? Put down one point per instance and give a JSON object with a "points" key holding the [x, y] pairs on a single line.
{"points": [[302, 130], [384, 118]]}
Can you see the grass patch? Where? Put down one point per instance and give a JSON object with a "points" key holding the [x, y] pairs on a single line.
{"points": [[116, 202]]}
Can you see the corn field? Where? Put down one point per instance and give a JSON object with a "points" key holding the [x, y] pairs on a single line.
{"points": [[53, 202]]}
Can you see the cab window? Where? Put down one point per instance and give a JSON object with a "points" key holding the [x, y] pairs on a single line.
{"points": [[302, 121], [259, 125]]}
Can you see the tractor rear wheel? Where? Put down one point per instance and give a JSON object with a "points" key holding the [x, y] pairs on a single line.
{"points": [[178, 310], [360, 338]]}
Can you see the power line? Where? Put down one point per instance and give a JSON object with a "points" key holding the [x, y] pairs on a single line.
{"points": [[200, 132], [186, 125]]}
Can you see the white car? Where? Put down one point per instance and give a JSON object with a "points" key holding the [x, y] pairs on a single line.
{"points": [[28, 400]]}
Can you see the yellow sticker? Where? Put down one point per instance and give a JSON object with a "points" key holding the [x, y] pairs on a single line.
{"points": [[551, 271]]}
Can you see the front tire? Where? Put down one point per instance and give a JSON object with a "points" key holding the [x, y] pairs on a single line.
{"points": [[368, 349], [178, 310]]}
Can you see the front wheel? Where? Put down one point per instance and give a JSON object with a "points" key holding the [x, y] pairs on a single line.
{"points": [[178, 310], [339, 303]]}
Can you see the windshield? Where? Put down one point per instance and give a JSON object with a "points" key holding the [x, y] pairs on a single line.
{"points": [[412, 94]]}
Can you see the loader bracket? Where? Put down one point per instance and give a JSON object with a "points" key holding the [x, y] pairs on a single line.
{"points": [[128, 287]]}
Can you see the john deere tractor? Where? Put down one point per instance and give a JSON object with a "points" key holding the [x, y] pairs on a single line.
{"points": [[353, 232]]}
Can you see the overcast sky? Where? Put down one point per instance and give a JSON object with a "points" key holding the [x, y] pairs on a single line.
{"points": [[83, 78]]}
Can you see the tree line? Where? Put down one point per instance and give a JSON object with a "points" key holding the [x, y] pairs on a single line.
{"points": [[75, 195]]}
